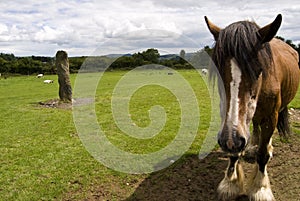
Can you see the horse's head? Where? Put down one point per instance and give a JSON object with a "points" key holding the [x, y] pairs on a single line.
{"points": [[241, 54]]}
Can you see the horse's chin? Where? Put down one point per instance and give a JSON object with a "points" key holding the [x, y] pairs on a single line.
{"points": [[234, 152]]}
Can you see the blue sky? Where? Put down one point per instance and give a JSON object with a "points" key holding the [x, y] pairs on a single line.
{"points": [[83, 26]]}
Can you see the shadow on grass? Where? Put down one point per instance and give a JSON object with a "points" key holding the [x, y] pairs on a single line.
{"points": [[188, 179]]}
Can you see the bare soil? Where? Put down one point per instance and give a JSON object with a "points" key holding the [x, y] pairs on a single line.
{"points": [[194, 179], [56, 103]]}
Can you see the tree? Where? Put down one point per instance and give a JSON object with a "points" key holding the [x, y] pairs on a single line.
{"points": [[123, 62], [151, 55], [200, 59], [280, 38], [208, 50], [4, 67], [8, 57], [75, 63], [290, 42], [138, 59]]}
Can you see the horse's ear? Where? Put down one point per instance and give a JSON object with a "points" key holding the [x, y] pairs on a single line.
{"points": [[268, 32], [215, 30]]}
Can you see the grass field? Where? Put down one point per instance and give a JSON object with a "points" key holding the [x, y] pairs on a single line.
{"points": [[42, 157]]}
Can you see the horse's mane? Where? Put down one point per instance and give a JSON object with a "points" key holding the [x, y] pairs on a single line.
{"points": [[241, 40]]}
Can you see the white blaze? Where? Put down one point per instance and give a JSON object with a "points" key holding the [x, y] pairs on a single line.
{"points": [[233, 113]]}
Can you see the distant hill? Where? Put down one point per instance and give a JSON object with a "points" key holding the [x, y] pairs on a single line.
{"points": [[117, 55], [169, 56], [188, 56]]}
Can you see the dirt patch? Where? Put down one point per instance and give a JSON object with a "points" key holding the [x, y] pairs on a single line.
{"points": [[198, 180], [56, 103], [295, 117], [194, 179]]}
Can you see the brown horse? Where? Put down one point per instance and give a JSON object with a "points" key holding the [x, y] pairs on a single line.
{"points": [[260, 76]]}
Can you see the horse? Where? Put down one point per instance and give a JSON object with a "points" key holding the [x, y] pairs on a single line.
{"points": [[259, 75]]}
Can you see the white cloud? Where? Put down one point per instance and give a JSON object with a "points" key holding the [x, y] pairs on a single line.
{"points": [[47, 33], [80, 26], [3, 28]]}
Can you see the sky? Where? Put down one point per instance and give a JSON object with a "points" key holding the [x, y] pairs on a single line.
{"points": [[88, 27]]}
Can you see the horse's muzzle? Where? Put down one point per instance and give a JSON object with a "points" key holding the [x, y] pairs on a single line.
{"points": [[233, 144]]}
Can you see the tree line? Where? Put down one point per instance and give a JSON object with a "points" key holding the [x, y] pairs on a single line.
{"points": [[10, 64]]}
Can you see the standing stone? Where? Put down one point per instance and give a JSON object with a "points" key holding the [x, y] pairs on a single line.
{"points": [[62, 66]]}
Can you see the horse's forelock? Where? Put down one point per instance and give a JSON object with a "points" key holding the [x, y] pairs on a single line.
{"points": [[241, 41]]}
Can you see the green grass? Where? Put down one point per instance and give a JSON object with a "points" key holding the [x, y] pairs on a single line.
{"points": [[296, 101], [40, 152], [296, 105], [42, 157], [140, 104]]}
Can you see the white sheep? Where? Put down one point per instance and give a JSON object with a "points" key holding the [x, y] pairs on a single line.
{"points": [[48, 81], [204, 71], [40, 75]]}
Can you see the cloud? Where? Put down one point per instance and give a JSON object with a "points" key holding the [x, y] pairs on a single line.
{"points": [[48, 34], [80, 26]]}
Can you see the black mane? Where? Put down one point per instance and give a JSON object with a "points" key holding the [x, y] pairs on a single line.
{"points": [[242, 41]]}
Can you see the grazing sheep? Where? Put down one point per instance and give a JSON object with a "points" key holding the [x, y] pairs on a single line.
{"points": [[48, 81], [204, 71], [40, 75]]}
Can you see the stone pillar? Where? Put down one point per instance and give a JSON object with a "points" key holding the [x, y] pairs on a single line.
{"points": [[62, 66]]}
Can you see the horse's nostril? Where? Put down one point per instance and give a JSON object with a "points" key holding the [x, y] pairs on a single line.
{"points": [[234, 145], [231, 143], [243, 143], [240, 144], [219, 142]]}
